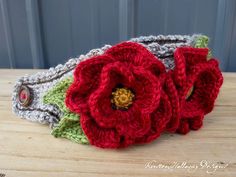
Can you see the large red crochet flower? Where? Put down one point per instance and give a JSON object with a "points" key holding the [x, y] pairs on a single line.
{"points": [[198, 81], [119, 96]]}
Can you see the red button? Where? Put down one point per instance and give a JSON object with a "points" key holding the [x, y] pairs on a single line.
{"points": [[24, 96]]}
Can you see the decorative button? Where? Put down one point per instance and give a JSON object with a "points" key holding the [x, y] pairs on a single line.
{"points": [[24, 96]]}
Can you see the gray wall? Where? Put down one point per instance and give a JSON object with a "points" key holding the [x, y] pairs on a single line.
{"points": [[43, 33]]}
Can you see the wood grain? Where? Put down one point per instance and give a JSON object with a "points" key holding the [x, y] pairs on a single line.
{"points": [[27, 149]]}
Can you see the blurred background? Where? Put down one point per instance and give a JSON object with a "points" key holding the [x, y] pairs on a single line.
{"points": [[44, 33]]}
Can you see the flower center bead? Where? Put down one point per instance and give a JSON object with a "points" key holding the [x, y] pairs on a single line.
{"points": [[122, 98]]}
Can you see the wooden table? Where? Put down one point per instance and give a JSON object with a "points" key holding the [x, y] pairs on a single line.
{"points": [[28, 149]]}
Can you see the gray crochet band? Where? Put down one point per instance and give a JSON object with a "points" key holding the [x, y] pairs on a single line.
{"points": [[35, 86]]}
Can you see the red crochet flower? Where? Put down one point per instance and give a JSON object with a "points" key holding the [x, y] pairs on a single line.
{"points": [[119, 96], [198, 81]]}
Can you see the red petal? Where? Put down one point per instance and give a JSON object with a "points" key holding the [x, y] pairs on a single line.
{"points": [[193, 123], [139, 126], [172, 93], [196, 123], [185, 58], [100, 137], [91, 68], [183, 127], [135, 54], [147, 90], [76, 98], [86, 80], [207, 80], [159, 120]]}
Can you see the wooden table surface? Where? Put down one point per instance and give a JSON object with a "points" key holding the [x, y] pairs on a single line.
{"points": [[27, 149]]}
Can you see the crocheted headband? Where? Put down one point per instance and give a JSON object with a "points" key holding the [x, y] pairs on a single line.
{"points": [[124, 94]]}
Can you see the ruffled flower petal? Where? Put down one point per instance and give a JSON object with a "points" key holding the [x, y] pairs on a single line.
{"points": [[131, 67], [159, 120], [86, 80], [100, 137], [198, 81], [136, 55]]}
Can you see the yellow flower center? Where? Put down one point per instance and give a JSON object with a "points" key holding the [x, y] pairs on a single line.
{"points": [[122, 98], [190, 91]]}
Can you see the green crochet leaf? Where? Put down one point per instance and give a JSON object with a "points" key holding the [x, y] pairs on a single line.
{"points": [[69, 125], [202, 42]]}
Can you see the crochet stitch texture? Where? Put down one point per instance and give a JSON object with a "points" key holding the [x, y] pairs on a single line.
{"points": [[193, 69], [160, 97], [125, 94], [134, 67]]}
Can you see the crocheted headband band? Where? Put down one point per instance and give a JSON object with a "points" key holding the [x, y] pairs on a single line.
{"points": [[125, 94]]}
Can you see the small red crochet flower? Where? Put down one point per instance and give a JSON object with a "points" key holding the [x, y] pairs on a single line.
{"points": [[198, 81], [119, 96]]}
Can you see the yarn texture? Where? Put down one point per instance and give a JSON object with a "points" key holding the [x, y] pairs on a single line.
{"points": [[125, 94], [193, 69], [69, 126], [127, 65]]}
